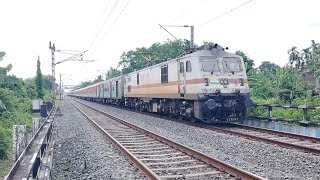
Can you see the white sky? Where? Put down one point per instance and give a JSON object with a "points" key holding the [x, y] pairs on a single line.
{"points": [[264, 29]]}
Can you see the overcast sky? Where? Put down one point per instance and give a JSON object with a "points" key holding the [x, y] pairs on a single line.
{"points": [[264, 29]]}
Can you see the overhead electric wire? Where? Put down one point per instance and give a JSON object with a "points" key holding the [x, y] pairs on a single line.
{"points": [[105, 9], [105, 21], [237, 7], [121, 12]]}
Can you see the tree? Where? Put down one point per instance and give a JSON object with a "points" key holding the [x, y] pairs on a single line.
{"points": [[2, 54], [268, 67], [46, 79], [295, 59], [98, 79], [4, 70], [39, 81], [247, 61], [112, 72], [157, 52], [314, 60]]}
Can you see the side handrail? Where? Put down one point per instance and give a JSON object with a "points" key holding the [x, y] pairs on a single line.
{"points": [[18, 161]]}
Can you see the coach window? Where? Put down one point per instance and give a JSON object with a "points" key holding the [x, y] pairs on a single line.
{"points": [[181, 67], [188, 66], [164, 74], [138, 79]]}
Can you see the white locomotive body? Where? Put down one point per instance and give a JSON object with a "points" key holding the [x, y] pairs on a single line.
{"points": [[208, 85]]}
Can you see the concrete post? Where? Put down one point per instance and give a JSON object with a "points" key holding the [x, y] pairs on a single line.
{"points": [[19, 140], [35, 125], [43, 111], [269, 112], [304, 114]]}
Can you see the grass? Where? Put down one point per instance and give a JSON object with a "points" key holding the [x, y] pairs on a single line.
{"points": [[5, 166]]}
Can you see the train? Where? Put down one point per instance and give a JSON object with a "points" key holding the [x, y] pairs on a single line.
{"points": [[207, 84]]}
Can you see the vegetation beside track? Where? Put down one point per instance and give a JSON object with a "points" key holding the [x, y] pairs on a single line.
{"points": [[269, 83], [16, 96]]}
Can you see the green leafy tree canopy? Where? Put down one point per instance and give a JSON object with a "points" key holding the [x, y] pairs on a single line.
{"points": [[39, 81]]}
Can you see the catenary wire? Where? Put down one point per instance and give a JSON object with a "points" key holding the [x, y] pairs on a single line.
{"points": [[225, 13], [105, 21], [121, 12]]}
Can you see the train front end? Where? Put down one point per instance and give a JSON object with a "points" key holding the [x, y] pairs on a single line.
{"points": [[224, 95]]}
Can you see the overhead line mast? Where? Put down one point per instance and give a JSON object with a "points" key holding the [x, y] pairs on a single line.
{"points": [[192, 32]]}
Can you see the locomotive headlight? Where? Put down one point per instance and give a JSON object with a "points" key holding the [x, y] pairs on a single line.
{"points": [[224, 81]]}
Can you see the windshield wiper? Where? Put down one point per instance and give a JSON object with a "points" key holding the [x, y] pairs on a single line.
{"points": [[212, 68]]}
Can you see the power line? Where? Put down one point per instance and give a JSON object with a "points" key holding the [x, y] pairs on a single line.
{"points": [[121, 12], [105, 9], [116, 19], [105, 21], [237, 7]]}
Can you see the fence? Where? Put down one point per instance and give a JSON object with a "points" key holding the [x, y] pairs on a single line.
{"points": [[304, 108]]}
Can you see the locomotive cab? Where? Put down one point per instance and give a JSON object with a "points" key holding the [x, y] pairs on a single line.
{"points": [[224, 94]]}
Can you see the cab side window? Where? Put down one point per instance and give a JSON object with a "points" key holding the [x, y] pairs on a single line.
{"points": [[137, 78], [164, 74], [188, 66], [181, 67]]}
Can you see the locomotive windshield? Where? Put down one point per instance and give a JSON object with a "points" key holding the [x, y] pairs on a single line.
{"points": [[231, 64], [210, 65]]}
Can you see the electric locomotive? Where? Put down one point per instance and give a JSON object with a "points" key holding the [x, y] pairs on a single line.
{"points": [[206, 84]]}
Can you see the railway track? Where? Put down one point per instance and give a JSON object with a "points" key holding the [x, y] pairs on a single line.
{"points": [[285, 139], [156, 156]]}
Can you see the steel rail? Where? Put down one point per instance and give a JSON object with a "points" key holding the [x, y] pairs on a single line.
{"points": [[280, 133], [234, 171], [146, 171], [280, 143]]}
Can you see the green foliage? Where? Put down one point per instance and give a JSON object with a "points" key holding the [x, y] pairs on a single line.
{"points": [[314, 62], [268, 68], [247, 61], [4, 144], [39, 81], [272, 84], [2, 54], [98, 79], [136, 59], [113, 72], [46, 80], [83, 84], [16, 95]]}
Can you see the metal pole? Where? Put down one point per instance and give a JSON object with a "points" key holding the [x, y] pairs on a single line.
{"points": [[192, 36], [52, 47], [60, 88]]}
